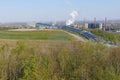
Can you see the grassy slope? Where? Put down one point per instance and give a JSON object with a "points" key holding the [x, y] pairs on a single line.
{"points": [[36, 35]]}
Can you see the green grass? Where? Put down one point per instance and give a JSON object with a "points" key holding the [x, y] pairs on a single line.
{"points": [[36, 35]]}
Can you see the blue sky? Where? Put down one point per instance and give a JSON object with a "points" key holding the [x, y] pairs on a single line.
{"points": [[57, 10]]}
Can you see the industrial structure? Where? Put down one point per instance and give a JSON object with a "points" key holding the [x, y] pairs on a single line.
{"points": [[94, 25]]}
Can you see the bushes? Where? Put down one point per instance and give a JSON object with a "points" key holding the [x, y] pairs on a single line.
{"points": [[113, 37], [59, 61]]}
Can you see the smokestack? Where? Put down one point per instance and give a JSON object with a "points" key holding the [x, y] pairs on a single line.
{"points": [[95, 21], [84, 21], [105, 22]]}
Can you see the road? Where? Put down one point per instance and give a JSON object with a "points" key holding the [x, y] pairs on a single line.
{"points": [[89, 36]]}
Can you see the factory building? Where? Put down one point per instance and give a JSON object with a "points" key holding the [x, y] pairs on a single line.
{"points": [[93, 25]]}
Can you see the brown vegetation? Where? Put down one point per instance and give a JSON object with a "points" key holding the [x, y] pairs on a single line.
{"points": [[58, 60]]}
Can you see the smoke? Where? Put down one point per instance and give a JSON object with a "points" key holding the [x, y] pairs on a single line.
{"points": [[73, 15]]}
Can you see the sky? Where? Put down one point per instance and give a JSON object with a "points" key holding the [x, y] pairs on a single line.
{"points": [[57, 10]]}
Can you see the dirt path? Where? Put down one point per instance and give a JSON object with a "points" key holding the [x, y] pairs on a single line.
{"points": [[76, 36]]}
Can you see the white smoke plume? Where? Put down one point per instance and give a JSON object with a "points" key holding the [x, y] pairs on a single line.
{"points": [[68, 2], [73, 15]]}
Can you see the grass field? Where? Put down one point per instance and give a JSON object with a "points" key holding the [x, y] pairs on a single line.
{"points": [[36, 35]]}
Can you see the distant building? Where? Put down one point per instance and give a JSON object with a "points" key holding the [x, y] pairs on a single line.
{"points": [[93, 25], [115, 27], [44, 26], [31, 24]]}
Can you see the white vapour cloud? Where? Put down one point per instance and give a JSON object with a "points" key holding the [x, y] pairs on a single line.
{"points": [[73, 15], [69, 22]]}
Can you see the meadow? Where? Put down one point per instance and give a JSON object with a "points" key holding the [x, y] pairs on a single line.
{"points": [[36, 35]]}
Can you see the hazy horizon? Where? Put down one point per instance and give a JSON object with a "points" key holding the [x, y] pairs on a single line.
{"points": [[53, 10]]}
